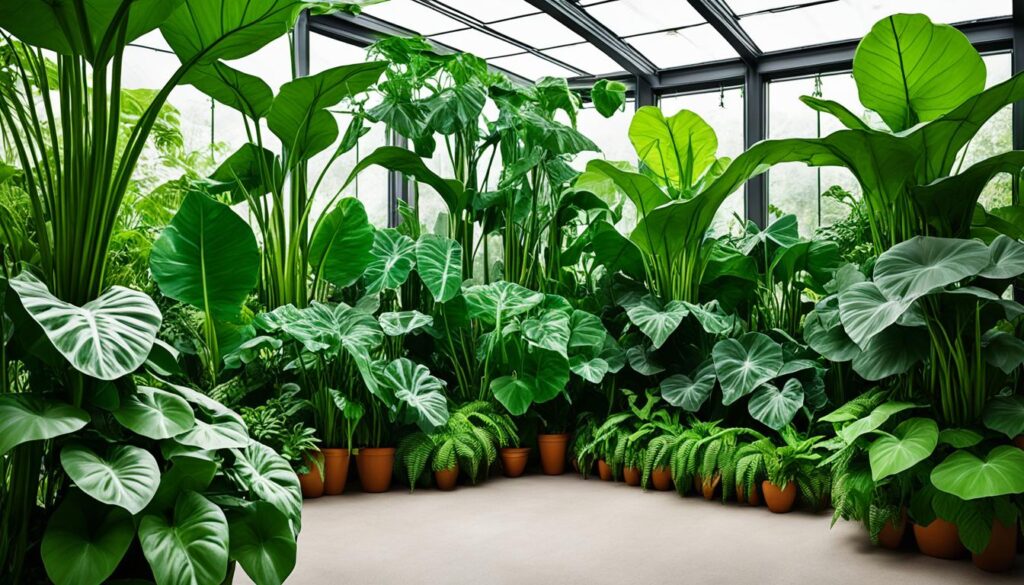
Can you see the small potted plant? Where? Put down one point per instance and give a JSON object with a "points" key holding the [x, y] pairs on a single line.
{"points": [[791, 466]]}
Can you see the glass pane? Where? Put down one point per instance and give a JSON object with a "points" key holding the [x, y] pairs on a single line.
{"points": [[586, 57], [491, 11], [325, 53], [995, 137], [539, 31], [630, 17], [849, 19], [530, 66], [413, 16], [748, 6], [723, 110], [686, 46], [611, 135], [478, 43]]}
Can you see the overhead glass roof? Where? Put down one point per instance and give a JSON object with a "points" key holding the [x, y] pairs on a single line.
{"points": [[517, 36]]}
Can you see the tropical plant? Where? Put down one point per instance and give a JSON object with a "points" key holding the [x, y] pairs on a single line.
{"points": [[794, 461]]}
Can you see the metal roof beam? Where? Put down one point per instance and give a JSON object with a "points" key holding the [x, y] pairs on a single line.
{"points": [[582, 23], [721, 17]]}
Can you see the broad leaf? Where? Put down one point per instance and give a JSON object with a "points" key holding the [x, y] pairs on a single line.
{"points": [[592, 370], [496, 302], [105, 338], [418, 392], [262, 542], [439, 264], [548, 330], [743, 364], [392, 258], [407, 163], [920, 265], [1003, 350], [608, 96], [85, 541], [866, 311], [655, 322], [970, 478], [223, 432], [679, 148], [910, 70], [404, 322], [236, 89], [26, 417], [155, 414], [892, 352], [190, 545], [1006, 261], [230, 29], [126, 477], [207, 257], [244, 174], [340, 247], [265, 474], [776, 408], [873, 421], [514, 394], [690, 395], [1004, 414], [911, 442]]}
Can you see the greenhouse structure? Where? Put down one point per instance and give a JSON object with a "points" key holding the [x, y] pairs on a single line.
{"points": [[460, 292]]}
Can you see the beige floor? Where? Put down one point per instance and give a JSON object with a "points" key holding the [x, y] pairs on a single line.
{"points": [[563, 531]]}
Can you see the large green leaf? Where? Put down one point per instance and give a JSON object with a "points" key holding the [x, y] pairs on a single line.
{"points": [[73, 28], [608, 96], [873, 421], [910, 70], [922, 264], [592, 370], [1004, 414], [831, 342], [586, 332], [340, 247], [406, 162], [393, 257], [265, 474], [155, 414], [548, 330], [679, 148], [418, 392], [222, 432], [1007, 259], [322, 327], [105, 338], [26, 417], [640, 189], [244, 174], [1003, 350], [187, 472], [126, 476], [911, 442], [456, 107], [404, 322], [514, 394], [246, 93], [891, 352], [299, 115], [690, 395], [230, 29], [439, 264], [262, 543], [655, 322], [85, 541], [188, 547], [950, 203], [776, 408], [866, 311], [615, 252], [969, 477], [496, 302], [744, 364], [207, 257]]}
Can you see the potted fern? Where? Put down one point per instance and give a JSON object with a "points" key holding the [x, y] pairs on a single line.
{"points": [[790, 467]]}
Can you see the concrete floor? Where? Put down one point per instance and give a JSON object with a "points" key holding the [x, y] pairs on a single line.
{"points": [[541, 530]]}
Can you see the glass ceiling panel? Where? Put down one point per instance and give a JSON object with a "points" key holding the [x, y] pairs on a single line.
{"points": [[476, 42], [586, 57], [491, 10], [688, 46], [413, 16], [530, 66], [748, 6], [538, 31], [850, 19], [631, 17]]}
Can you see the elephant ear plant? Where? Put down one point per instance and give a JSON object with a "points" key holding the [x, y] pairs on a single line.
{"points": [[81, 420]]}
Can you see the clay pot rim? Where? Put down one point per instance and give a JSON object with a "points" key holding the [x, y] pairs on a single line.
{"points": [[552, 437], [514, 450], [376, 451], [336, 451]]}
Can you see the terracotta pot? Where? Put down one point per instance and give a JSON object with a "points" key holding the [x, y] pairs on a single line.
{"points": [[661, 477], [707, 488], [447, 479], [375, 466], [552, 453], [335, 471], [753, 500], [631, 475], [779, 500], [940, 539], [1019, 441], [892, 532], [513, 460], [312, 482], [1001, 551], [604, 471]]}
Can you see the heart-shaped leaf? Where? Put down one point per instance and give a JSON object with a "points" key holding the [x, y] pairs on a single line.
{"points": [[690, 395], [655, 322], [878, 417], [127, 476], [420, 393], [923, 264], [439, 263], [891, 352], [548, 330], [1004, 414], [105, 338], [85, 541], [1006, 260], [1003, 350], [393, 257], [911, 442], [514, 394], [155, 414], [592, 370], [679, 148], [264, 473], [969, 477], [340, 247], [221, 432], [188, 546], [866, 311], [262, 542], [586, 332], [744, 364], [776, 408], [404, 322], [496, 302], [643, 361], [24, 418]]}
